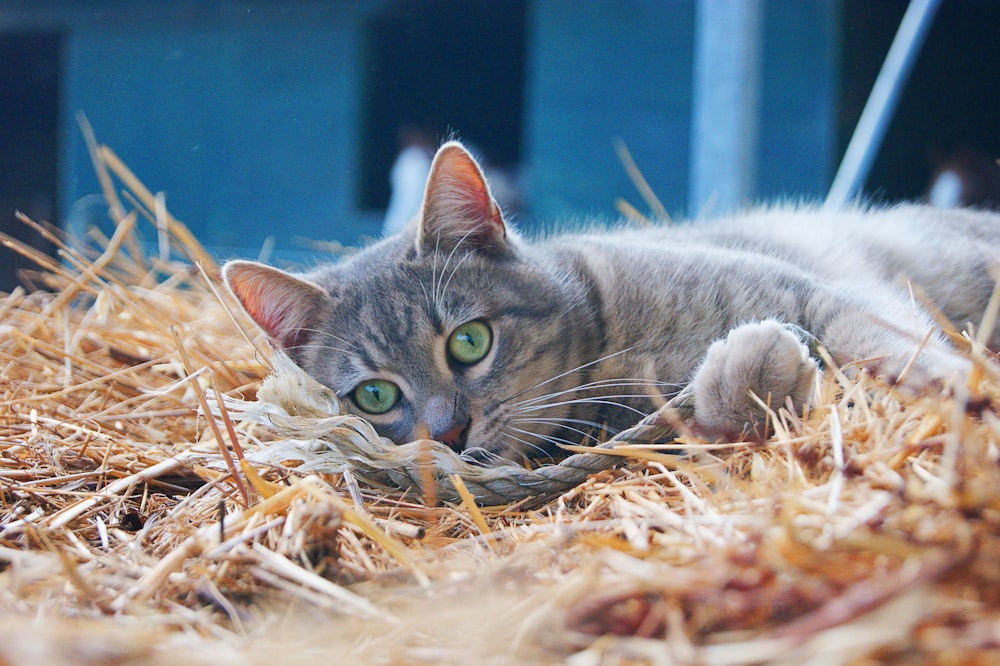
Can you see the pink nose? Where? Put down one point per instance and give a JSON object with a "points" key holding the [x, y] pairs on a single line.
{"points": [[454, 438]]}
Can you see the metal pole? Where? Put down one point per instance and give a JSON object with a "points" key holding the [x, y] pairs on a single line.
{"points": [[725, 104], [881, 103]]}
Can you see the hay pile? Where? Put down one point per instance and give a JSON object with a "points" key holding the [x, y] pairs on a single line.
{"points": [[135, 529]]}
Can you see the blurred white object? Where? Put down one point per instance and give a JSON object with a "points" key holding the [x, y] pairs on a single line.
{"points": [[946, 190], [407, 178]]}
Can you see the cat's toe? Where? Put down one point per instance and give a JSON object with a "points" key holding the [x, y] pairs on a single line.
{"points": [[764, 359]]}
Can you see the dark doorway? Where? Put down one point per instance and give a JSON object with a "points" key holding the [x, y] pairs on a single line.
{"points": [[29, 115], [444, 66]]}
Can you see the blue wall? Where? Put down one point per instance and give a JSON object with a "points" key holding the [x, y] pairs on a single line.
{"points": [[798, 152], [599, 71], [249, 118], [248, 123]]}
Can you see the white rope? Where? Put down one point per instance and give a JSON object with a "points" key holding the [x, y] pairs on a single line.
{"points": [[308, 425]]}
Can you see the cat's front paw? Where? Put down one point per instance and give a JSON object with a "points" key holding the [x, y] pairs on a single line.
{"points": [[766, 359]]}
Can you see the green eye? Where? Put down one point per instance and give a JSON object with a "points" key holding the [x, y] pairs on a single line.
{"points": [[376, 396], [470, 342]]}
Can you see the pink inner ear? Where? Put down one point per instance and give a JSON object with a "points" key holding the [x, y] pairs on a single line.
{"points": [[467, 179], [281, 304], [458, 206]]}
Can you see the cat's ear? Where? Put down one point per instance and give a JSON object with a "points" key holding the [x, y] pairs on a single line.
{"points": [[282, 304], [458, 207]]}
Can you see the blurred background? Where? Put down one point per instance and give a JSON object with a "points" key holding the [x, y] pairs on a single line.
{"points": [[275, 119]]}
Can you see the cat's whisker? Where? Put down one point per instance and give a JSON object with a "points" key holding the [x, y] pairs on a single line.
{"points": [[608, 400], [318, 331], [561, 424], [605, 383], [559, 421], [548, 439], [296, 348], [578, 368], [516, 441], [601, 384], [451, 255], [444, 289], [438, 284], [532, 411], [339, 350], [483, 456], [434, 273], [525, 443], [427, 297]]}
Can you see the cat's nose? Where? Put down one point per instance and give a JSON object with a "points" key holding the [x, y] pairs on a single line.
{"points": [[455, 437], [446, 422]]}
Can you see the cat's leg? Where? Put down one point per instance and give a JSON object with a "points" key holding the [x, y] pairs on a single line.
{"points": [[765, 359], [909, 357], [772, 361]]}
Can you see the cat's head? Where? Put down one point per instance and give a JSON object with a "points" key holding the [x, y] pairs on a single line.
{"points": [[453, 329]]}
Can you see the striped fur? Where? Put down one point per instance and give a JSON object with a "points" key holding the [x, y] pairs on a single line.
{"points": [[597, 327]]}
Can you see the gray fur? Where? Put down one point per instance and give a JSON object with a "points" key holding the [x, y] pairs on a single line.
{"points": [[600, 326]]}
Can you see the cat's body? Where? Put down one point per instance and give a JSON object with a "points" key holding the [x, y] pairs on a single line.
{"points": [[459, 330]]}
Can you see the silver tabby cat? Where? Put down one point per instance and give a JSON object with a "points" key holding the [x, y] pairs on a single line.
{"points": [[460, 329]]}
